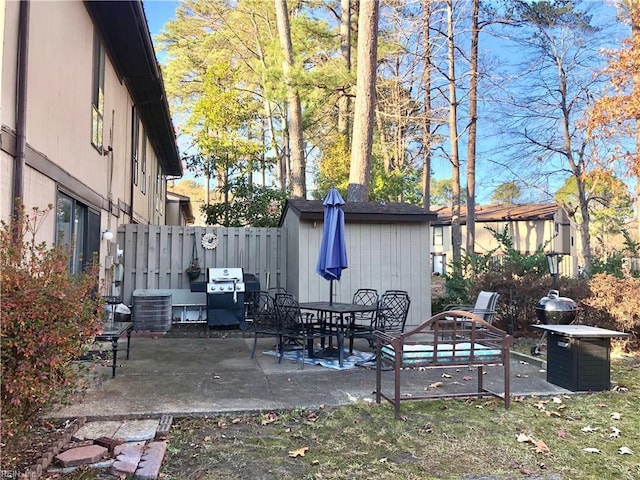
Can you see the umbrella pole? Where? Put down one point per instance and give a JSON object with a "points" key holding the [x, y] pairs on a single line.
{"points": [[330, 292]]}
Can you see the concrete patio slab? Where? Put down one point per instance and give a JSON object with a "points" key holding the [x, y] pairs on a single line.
{"points": [[205, 376]]}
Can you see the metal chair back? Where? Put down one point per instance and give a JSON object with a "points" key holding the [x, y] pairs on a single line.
{"points": [[393, 310], [262, 311], [485, 305], [365, 296], [288, 311]]}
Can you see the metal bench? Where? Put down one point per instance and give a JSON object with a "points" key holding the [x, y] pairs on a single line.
{"points": [[448, 339]]}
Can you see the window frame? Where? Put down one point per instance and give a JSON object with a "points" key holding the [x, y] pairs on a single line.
{"points": [[97, 94], [438, 233]]}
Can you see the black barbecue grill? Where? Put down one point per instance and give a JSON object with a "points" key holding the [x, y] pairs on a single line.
{"points": [[554, 310], [225, 297]]}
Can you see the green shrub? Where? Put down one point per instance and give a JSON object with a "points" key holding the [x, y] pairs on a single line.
{"points": [[48, 316]]}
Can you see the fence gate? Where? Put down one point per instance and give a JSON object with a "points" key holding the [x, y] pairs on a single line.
{"points": [[157, 256]]}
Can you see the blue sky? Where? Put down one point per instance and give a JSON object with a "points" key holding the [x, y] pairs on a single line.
{"points": [[158, 13]]}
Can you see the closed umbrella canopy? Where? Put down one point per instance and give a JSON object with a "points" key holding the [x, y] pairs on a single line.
{"points": [[333, 251]]}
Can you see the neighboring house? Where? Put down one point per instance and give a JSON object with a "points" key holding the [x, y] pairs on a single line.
{"points": [[85, 121], [179, 210], [529, 226]]}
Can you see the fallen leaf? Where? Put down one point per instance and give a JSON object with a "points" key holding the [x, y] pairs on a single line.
{"points": [[383, 460], [540, 405], [556, 400], [268, 418], [589, 429], [315, 462], [616, 416], [236, 420], [526, 471], [523, 438], [436, 384], [615, 432], [620, 389], [446, 375], [467, 378], [591, 450], [562, 434], [625, 451], [207, 438], [541, 447], [299, 452]]}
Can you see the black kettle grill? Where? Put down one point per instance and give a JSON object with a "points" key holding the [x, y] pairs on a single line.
{"points": [[554, 310]]}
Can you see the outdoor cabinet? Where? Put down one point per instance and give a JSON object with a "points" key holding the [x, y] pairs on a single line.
{"points": [[578, 364]]}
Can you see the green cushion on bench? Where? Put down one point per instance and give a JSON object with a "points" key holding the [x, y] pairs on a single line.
{"points": [[446, 353]]}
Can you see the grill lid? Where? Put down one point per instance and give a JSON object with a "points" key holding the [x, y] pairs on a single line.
{"points": [[554, 309]]}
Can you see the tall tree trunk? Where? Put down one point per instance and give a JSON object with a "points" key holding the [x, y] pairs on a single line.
{"points": [[473, 120], [345, 52], [456, 237], [358, 190], [426, 126], [296, 143]]}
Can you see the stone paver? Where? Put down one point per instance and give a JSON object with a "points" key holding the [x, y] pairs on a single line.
{"points": [[149, 467], [81, 455], [137, 430], [93, 430], [128, 457]]}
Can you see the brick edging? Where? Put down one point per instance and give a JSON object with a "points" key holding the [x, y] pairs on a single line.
{"points": [[36, 470]]}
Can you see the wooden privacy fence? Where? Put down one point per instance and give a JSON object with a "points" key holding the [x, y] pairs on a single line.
{"points": [[157, 256]]}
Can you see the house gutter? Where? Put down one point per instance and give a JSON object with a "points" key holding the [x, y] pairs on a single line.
{"points": [[21, 109]]}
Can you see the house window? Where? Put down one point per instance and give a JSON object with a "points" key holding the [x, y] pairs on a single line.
{"points": [[97, 93], [438, 264], [135, 140], [438, 235], [160, 192], [77, 227], [143, 165]]}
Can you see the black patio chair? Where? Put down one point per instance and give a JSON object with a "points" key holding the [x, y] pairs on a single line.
{"points": [[393, 310], [265, 321], [363, 324], [300, 326]]}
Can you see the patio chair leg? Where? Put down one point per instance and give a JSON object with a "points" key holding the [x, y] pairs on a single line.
{"points": [[255, 342]]}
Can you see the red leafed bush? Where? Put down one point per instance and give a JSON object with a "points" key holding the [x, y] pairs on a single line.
{"points": [[48, 316], [614, 303]]}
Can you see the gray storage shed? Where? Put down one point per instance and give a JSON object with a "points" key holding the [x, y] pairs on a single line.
{"points": [[388, 248]]}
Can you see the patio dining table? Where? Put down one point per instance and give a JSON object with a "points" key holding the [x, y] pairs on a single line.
{"points": [[333, 315]]}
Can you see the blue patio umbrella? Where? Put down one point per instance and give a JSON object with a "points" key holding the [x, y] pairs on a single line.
{"points": [[333, 251]]}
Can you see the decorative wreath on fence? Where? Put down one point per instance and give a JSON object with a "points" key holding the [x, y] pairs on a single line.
{"points": [[209, 241]]}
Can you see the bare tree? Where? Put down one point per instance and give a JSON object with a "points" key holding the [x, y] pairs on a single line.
{"points": [[358, 190], [454, 157]]}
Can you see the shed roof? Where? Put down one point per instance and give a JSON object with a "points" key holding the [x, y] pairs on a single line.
{"points": [[374, 212], [501, 213], [184, 203], [125, 33]]}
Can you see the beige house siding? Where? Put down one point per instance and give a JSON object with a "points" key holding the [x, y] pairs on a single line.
{"points": [[557, 233], [59, 157]]}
